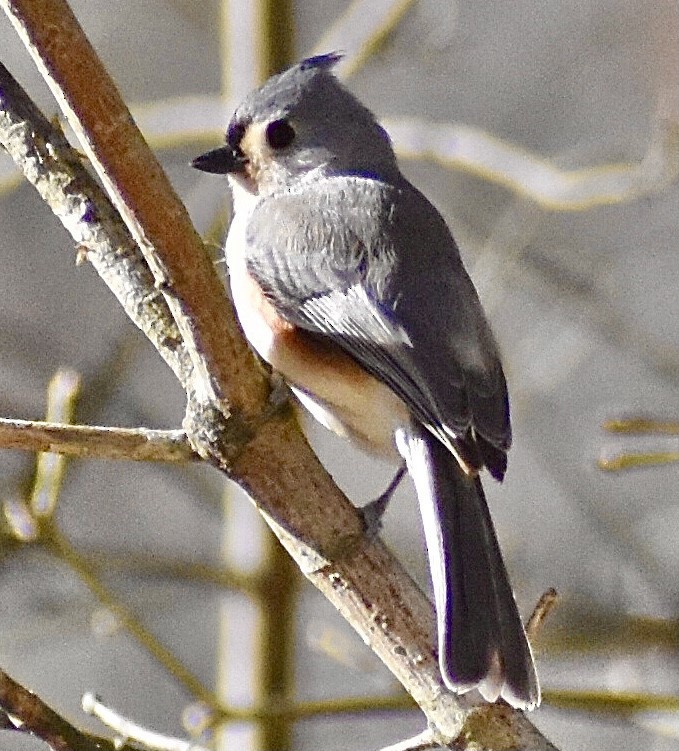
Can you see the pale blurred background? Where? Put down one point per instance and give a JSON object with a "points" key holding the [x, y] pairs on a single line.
{"points": [[577, 266]]}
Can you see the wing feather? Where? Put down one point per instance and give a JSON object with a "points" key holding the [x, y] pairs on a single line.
{"points": [[381, 276]]}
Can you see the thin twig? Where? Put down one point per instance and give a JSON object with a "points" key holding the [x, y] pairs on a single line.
{"points": [[95, 442], [151, 564], [62, 393], [638, 460], [613, 703], [641, 425], [545, 605], [132, 731]]}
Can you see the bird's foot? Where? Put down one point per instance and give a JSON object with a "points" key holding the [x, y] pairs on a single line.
{"points": [[374, 511]]}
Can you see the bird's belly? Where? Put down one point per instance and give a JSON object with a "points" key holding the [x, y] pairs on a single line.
{"points": [[369, 417]]}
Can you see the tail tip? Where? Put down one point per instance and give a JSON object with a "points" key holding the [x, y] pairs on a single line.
{"points": [[522, 692]]}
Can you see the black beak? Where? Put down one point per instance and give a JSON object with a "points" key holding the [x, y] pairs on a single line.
{"points": [[222, 161]]}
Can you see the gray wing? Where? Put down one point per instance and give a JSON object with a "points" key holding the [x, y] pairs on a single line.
{"points": [[374, 267]]}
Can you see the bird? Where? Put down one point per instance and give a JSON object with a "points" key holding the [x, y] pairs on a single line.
{"points": [[347, 281]]}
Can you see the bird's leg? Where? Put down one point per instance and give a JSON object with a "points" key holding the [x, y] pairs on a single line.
{"points": [[373, 511]]}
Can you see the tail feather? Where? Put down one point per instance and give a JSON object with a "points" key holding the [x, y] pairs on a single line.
{"points": [[482, 642]]}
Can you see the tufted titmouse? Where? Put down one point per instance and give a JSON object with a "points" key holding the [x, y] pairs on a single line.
{"points": [[348, 282]]}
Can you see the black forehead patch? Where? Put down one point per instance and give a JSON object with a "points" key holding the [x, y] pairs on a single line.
{"points": [[235, 132]]}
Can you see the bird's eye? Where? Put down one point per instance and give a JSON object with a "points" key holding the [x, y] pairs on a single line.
{"points": [[279, 134]]}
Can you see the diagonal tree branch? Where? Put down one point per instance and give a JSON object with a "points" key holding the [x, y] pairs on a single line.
{"points": [[55, 169], [277, 468]]}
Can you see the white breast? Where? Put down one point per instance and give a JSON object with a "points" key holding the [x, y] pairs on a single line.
{"points": [[254, 325]]}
